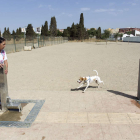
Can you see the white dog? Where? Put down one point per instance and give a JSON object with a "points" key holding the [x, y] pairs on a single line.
{"points": [[87, 80]]}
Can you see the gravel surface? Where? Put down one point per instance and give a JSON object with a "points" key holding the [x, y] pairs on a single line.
{"points": [[58, 67]]}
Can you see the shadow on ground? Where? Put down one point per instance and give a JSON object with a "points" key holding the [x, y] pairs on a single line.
{"points": [[123, 94], [82, 88]]}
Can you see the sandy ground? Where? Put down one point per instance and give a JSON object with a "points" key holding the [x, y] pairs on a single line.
{"points": [[58, 67]]}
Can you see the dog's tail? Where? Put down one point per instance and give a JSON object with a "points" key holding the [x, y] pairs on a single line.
{"points": [[96, 71]]}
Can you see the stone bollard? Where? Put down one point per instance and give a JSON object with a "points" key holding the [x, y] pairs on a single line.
{"points": [[3, 89], [138, 94], [27, 48], [5, 100]]}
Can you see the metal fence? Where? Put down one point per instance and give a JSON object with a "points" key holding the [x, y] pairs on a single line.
{"points": [[17, 43]]}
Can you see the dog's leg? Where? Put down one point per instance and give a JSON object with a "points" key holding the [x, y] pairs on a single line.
{"points": [[79, 86], [86, 87]]}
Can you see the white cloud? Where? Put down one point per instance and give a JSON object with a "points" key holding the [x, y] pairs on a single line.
{"points": [[40, 6], [50, 7], [85, 9], [103, 10], [111, 4], [64, 14], [70, 15], [133, 4], [114, 12]]}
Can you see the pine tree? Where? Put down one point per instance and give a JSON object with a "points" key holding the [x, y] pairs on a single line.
{"points": [[46, 29], [29, 31], [53, 27]]}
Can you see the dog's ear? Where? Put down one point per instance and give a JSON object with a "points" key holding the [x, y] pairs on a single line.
{"points": [[85, 79], [81, 78]]}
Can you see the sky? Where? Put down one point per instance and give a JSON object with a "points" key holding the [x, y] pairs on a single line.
{"points": [[97, 13]]}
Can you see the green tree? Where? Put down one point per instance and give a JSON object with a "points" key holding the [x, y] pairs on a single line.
{"points": [[29, 31], [106, 34], [13, 33], [86, 36], [42, 30], [92, 32], [46, 28], [128, 33], [69, 30], [73, 31], [120, 35], [116, 35], [53, 27], [59, 33], [65, 33], [17, 32], [5, 33], [0, 33], [98, 33], [81, 27], [20, 33]]}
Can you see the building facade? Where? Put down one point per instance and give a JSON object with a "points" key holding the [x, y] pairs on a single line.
{"points": [[124, 30]]}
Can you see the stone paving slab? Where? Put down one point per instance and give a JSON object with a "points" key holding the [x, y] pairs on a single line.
{"points": [[68, 115]]}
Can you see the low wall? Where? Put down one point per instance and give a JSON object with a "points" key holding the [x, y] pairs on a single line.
{"points": [[131, 39]]}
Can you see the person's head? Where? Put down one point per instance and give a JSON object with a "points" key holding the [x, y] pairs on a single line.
{"points": [[2, 43]]}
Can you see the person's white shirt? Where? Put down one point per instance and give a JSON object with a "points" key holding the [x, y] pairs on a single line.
{"points": [[1, 56]]}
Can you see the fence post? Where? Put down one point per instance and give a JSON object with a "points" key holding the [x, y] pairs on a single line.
{"points": [[38, 40], [138, 94], [43, 41], [25, 40], [33, 41], [14, 43]]}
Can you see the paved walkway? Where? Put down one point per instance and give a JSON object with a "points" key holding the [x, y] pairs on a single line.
{"points": [[73, 115]]}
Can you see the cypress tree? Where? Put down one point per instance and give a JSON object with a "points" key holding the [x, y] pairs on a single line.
{"points": [[86, 36], [17, 32], [81, 27], [99, 33], [42, 30], [73, 31], [65, 33], [69, 31], [8, 34], [29, 31], [53, 27], [13, 32], [20, 33], [5, 33], [46, 28]]}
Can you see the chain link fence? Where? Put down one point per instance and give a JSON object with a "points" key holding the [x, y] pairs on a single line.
{"points": [[17, 43]]}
